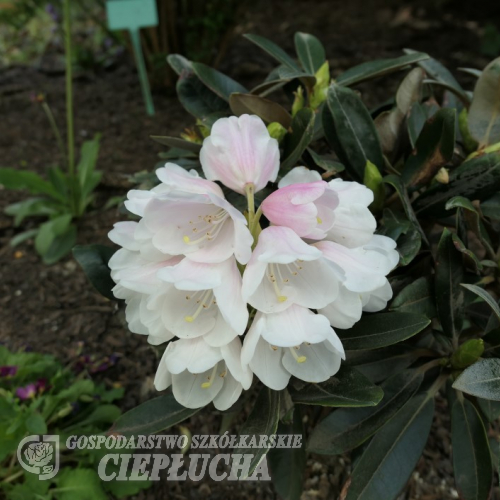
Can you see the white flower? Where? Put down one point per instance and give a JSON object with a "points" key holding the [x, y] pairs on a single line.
{"points": [[200, 373], [293, 342], [364, 284], [284, 270], [239, 152], [192, 218], [201, 299], [134, 268]]}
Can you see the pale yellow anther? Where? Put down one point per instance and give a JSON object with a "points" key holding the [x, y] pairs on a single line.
{"points": [[282, 298], [206, 385], [189, 319], [319, 220], [186, 239], [299, 359]]}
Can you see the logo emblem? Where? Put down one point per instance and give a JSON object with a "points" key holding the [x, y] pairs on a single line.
{"points": [[39, 455]]}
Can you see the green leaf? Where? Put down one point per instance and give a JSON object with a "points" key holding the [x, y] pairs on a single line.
{"points": [[297, 141], [103, 414], [60, 246], [310, 51], [485, 296], [491, 409], [87, 163], [434, 149], [471, 452], [273, 50], [475, 179], [288, 465], [31, 207], [380, 364], [482, 379], [79, 484], [153, 416], [22, 237], [262, 421], [382, 329], [11, 178], [491, 207], [389, 459], [55, 238], [449, 294], [94, 261], [484, 112], [348, 388], [439, 73], [417, 297], [197, 99], [176, 142], [416, 121], [346, 429], [216, 81], [35, 424], [332, 166], [179, 63], [381, 67], [268, 110], [350, 131]]}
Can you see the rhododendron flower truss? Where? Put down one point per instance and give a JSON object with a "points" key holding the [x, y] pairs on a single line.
{"points": [[193, 272]]}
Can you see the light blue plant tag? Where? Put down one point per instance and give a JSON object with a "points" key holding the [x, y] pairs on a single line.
{"points": [[132, 15]]}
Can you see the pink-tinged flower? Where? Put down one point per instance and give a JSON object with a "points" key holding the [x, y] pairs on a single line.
{"points": [[8, 371], [192, 218], [353, 223], [293, 342], [27, 392], [202, 299], [284, 270], [299, 175], [307, 208], [240, 151], [200, 373]]}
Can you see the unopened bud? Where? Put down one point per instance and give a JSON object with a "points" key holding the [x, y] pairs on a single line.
{"points": [[298, 102], [467, 354], [276, 131]]}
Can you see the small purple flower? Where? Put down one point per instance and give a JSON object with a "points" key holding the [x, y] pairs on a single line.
{"points": [[52, 12], [27, 392], [8, 371], [41, 385]]}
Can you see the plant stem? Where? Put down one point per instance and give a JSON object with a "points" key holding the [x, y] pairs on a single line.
{"points": [[250, 191], [55, 129], [69, 101]]}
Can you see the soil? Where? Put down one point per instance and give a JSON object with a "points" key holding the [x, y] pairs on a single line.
{"points": [[53, 309]]}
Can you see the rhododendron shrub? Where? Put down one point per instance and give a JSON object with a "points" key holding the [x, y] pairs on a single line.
{"points": [[323, 254]]}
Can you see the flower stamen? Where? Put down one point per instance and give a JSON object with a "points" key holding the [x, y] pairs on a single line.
{"points": [[204, 303], [299, 359], [211, 377], [272, 279]]}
